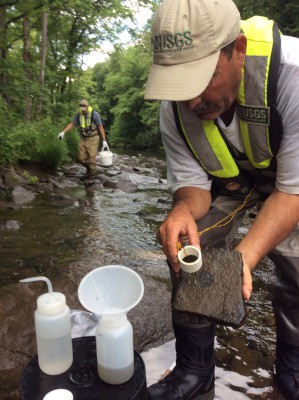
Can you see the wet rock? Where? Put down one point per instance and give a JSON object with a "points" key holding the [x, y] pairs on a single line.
{"points": [[10, 226], [113, 172], [73, 170], [138, 179], [164, 201], [97, 186], [59, 199], [3, 193], [21, 195], [125, 168], [103, 178], [149, 171], [215, 291], [122, 185], [111, 183], [12, 178], [62, 184], [126, 174], [125, 186]]}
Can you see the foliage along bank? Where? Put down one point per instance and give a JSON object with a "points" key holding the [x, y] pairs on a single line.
{"points": [[42, 76]]}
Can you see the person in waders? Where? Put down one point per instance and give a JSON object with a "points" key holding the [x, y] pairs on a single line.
{"points": [[229, 121], [91, 128]]}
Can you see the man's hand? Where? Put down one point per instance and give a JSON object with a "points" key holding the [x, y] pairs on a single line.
{"points": [[247, 282], [189, 205], [178, 225], [61, 135], [105, 144]]}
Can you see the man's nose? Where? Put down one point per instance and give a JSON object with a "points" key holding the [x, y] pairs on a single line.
{"points": [[193, 103]]}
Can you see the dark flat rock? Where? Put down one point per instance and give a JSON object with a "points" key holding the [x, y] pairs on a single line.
{"points": [[215, 291]]}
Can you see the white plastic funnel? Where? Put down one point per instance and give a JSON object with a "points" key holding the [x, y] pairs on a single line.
{"points": [[110, 290]]}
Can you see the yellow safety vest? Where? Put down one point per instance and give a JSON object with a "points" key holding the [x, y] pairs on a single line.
{"points": [[256, 108], [88, 127]]}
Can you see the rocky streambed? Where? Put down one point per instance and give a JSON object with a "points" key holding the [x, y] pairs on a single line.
{"points": [[52, 225]]}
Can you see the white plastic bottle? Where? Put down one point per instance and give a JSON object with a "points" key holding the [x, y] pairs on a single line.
{"points": [[115, 351], [53, 331]]}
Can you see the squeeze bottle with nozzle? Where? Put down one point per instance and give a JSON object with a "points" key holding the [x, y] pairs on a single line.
{"points": [[53, 330]]}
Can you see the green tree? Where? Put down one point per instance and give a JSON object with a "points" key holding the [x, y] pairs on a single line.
{"points": [[286, 14], [42, 45], [74, 28], [134, 120]]}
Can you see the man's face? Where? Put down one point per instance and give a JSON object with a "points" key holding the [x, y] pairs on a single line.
{"points": [[222, 90], [83, 108]]}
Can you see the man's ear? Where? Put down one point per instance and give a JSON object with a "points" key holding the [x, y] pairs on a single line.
{"points": [[240, 47]]}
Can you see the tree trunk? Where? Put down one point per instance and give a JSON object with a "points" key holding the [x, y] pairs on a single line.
{"points": [[43, 58], [27, 68], [4, 78]]}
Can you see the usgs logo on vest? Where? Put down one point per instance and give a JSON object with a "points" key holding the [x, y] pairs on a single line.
{"points": [[171, 43], [255, 114]]}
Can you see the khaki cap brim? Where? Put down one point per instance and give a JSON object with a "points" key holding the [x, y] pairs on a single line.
{"points": [[84, 102], [181, 81]]}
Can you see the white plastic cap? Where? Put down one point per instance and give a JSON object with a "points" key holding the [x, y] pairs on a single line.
{"points": [[51, 303], [59, 394]]}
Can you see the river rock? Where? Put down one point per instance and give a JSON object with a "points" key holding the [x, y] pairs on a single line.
{"points": [[10, 225], [138, 179], [21, 195], [215, 291], [73, 170], [122, 185], [63, 184], [12, 178]]}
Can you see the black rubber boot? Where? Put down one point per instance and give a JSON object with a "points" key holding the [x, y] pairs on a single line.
{"points": [[193, 377], [287, 369]]}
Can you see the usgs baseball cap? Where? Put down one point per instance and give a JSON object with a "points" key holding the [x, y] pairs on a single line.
{"points": [[187, 36]]}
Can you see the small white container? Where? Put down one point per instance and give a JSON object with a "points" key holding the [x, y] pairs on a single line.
{"points": [[59, 394], [115, 351], [53, 333], [53, 330], [106, 157], [190, 259], [111, 291]]}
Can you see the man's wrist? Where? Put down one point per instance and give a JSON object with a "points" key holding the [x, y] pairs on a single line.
{"points": [[249, 259]]}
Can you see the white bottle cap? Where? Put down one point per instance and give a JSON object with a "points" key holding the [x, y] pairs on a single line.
{"points": [[59, 394], [51, 303]]}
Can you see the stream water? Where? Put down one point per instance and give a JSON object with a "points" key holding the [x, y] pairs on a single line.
{"points": [[55, 231]]}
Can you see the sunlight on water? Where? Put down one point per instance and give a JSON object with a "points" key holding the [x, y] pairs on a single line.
{"points": [[229, 385]]}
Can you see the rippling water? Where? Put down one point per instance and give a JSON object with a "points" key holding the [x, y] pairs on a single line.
{"points": [[55, 231]]}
